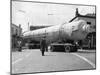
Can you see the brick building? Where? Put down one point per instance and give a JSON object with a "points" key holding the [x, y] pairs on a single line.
{"points": [[16, 32]]}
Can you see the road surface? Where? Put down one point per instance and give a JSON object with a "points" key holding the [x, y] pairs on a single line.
{"points": [[31, 61]]}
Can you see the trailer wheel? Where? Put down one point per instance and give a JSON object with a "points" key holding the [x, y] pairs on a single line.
{"points": [[75, 48], [51, 48], [67, 49]]}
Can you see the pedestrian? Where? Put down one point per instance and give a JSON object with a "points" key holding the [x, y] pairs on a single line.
{"points": [[43, 45], [80, 44], [46, 47], [19, 46]]}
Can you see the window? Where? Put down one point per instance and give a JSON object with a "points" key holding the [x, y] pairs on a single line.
{"points": [[12, 29], [16, 32], [89, 23]]}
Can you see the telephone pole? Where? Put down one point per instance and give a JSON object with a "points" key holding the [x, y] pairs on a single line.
{"points": [[28, 27]]}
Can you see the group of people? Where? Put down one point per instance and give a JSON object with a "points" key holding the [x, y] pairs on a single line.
{"points": [[19, 45]]}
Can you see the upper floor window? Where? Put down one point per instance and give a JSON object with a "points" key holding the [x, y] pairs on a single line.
{"points": [[89, 23]]}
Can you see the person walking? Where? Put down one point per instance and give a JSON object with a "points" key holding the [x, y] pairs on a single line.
{"points": [[19, 46], [43, 45]]}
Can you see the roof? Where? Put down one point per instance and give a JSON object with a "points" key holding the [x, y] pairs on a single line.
{"points": [[15, 25], [86, 16], [73, 19], [89, 15]]}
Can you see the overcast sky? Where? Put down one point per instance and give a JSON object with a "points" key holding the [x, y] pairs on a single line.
{"points": [[44, 14]]}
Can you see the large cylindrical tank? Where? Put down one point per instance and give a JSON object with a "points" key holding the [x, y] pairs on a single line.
{"points": [[72, 31]]}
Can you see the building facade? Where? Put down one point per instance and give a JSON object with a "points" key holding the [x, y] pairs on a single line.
{"points": [[16, 32], [90, 19]]}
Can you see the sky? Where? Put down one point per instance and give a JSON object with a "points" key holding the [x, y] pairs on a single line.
{"points": [[38, 14]]}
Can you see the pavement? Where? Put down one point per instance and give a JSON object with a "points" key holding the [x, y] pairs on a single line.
{"points": [[31, 61]]}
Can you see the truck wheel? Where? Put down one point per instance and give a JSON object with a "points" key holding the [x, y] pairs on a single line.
{"points": [[67, 49], [51, 48], [20, 49], [75, 49]]}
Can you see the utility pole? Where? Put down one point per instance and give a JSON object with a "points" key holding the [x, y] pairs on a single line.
{"points": [[28, 27]]}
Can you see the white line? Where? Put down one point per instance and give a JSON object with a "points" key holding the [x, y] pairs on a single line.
{"points": [[17, 61], [28, 54], [88, 61], [20, 58]]}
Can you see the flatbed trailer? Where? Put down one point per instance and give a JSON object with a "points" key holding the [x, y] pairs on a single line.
{"points": [[67, 47]]}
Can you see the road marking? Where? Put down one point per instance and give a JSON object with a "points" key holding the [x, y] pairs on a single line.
{"points": [[17, 61], [88, 61], [20, 59], [28, 54]]}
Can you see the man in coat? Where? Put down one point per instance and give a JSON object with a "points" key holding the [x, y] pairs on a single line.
{"points": [[19, 46], [43, 45]]}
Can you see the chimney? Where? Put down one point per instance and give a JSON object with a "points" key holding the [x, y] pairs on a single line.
{"points": [[19, 30], [77, 12], [28, 27], [19, 25]]}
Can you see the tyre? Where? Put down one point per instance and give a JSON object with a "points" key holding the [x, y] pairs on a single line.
{"points": [[51, 48], [75, 49], [67, 49], [19, 49]]}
